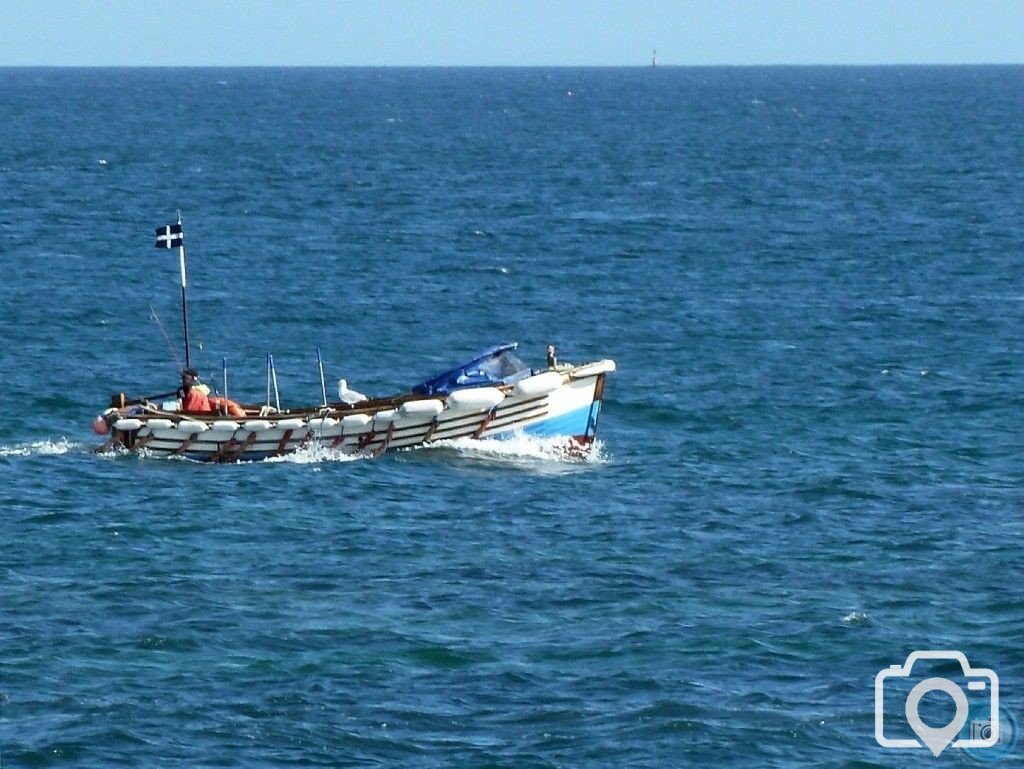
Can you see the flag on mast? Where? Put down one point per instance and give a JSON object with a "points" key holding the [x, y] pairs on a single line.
{"points": [[170, 236]]}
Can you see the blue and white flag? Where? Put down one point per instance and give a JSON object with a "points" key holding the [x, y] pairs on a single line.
{"points": [[169, 236]]}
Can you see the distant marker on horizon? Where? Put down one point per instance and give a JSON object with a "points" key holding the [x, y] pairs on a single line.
{"points": [[654, 58]]}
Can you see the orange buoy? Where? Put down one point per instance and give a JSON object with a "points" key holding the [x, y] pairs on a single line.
{"points": [[100, 426]]}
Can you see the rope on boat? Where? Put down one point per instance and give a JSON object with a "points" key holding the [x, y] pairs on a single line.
{"points": [[384, 444], [486, 421]]}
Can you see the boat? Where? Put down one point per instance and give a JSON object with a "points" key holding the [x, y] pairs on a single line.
{"points": [[492, 395]]}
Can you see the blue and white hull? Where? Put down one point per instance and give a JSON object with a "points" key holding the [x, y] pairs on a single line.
{"points": [[563, 401]]}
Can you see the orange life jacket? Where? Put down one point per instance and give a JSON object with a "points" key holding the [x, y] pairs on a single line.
{"points": [[195, 400], [223, 405]]}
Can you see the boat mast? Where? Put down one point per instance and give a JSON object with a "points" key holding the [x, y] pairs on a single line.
{"points": [[184, 295]]}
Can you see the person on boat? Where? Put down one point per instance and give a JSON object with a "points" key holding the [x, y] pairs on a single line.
{"points": [[191, 392]]}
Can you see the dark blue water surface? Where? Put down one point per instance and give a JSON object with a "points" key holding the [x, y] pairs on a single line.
{"points": [[812, 282]]}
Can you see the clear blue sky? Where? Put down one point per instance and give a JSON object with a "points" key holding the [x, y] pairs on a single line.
{"points": [[510, 32]]}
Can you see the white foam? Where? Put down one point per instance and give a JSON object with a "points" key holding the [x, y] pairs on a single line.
{"points": [[524, 449], [39, 448], [315, 453]]}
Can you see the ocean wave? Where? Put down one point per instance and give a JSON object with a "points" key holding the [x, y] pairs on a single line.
{"points": [[859, 618], [47, 447]]}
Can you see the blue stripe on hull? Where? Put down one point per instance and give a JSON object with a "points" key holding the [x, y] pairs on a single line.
{"points": [[577, 422]]}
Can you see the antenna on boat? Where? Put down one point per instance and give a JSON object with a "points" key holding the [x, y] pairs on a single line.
{"points": [[224, 365], [323, 384]]}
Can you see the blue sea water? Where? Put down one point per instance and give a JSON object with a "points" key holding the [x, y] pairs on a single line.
{"points": [[811, 281]]}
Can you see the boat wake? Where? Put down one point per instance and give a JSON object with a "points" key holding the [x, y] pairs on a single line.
{"points": [[526, 451], [314, 454], [40, 448], [557, 453], [522, 450]]}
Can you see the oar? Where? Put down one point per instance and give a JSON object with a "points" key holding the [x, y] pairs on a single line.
{"points": [[117, 400]]}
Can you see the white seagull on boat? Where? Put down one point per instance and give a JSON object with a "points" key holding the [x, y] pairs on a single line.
{"points": [[347, 395]]}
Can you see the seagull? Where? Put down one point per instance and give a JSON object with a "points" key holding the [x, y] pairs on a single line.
{"points": [[347, 395]]}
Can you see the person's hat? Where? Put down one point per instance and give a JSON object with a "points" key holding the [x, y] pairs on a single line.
{"points": [[191, 372]]}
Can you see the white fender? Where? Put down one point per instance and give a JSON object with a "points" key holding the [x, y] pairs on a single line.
{"points": [[475, 399], [539, 384], [426, 408], [256, 425], [354, 421], [385, 417], [190, 426], [291, 424], [319, 424], [127, 424], [150, 426], [223, 427]]}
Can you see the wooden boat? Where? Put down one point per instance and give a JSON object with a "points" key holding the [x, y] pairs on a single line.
{"points": [[490, 396], [493, 395]]}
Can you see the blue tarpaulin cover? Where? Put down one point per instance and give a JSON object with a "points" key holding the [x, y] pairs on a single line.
{"points": [[496, 365]]}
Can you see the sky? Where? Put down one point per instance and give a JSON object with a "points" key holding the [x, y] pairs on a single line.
{"points": [[508, 32]]}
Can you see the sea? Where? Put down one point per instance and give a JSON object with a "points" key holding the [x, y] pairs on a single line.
{"points": [[809, 457]]}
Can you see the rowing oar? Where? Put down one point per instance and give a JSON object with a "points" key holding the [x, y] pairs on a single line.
{"points": [[118, 401]]}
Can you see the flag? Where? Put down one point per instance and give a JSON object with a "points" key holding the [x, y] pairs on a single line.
{"points": [[169, 236]]}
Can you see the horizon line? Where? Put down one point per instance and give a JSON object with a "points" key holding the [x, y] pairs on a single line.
{"points": [[780, 65]]}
